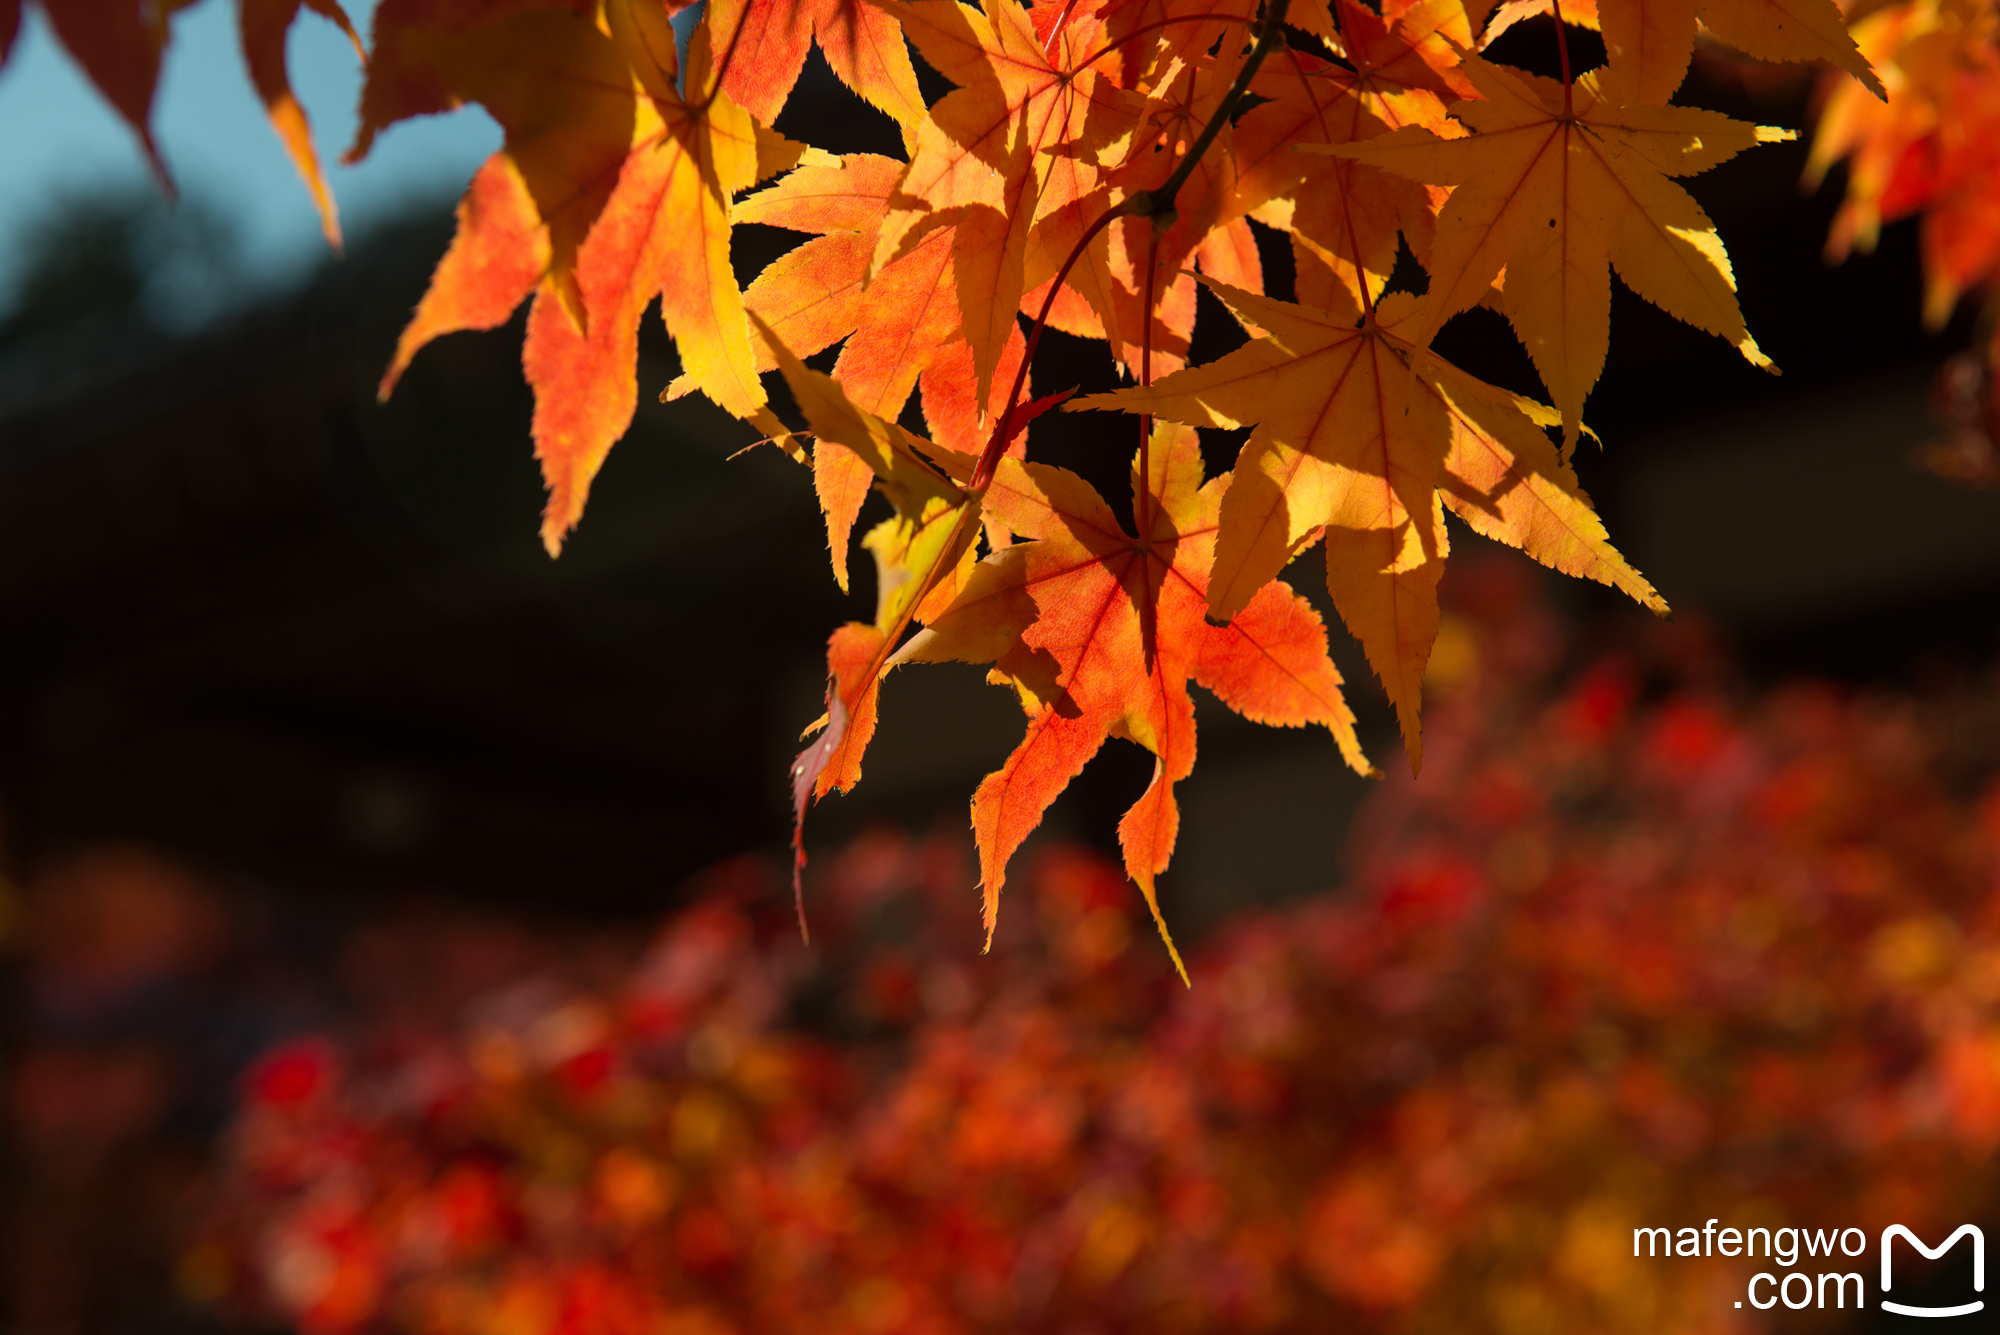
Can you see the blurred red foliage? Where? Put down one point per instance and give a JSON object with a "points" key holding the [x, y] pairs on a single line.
{"points": [[1638, 948]]}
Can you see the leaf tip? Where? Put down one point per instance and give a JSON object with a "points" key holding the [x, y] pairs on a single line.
{"points": [[553, 533]]}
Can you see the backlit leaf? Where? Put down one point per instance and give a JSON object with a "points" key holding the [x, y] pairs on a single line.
{"points": [[1099, 633], [1363, 439], [1556, 187]]}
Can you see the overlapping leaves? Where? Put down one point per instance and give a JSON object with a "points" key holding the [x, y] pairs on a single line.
{"points": [[1344, 449], [1099, 631], [1933, 145], [1557, 184], [1087, 158], [1031, 186]]}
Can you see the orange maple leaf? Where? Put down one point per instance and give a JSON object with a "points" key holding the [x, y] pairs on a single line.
{"points": [[1407, 55], [1341, 448], [1129, 284], [1555, 185], [1933, 146], [923, 555], [118, 43], [1352, 213], [863, 45], [903, 332], [1182, 103], [982, 151], [1184, 68], [1099, 632], [615, 188], [1137, 43], [1103, 296]]}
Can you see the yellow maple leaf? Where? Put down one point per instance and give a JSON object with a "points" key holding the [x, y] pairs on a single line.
{"points": [[1335, 452], [1556, 185], [1652, 40], [981, 158]]}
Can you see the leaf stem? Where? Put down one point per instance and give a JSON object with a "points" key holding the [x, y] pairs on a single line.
{"points": [[1562, 49]]}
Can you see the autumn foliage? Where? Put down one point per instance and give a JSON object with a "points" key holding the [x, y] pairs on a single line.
{"points": [[1577, 984], [1929, 150], [1089, 163]]}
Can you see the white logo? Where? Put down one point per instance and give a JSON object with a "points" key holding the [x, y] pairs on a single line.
{"points": [[1894, 1231]]}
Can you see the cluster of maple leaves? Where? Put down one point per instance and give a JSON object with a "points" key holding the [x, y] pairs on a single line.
{"points": [[1578, 984], [1932, 147], [1091, 158]]}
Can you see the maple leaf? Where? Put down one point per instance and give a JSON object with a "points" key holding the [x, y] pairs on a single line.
{"points": [[1406, 54], [615, 189], [1652, 41], [1959, 237], [905, 332], [1336, 451], [1578, 13], [1932, 146], [264, 25], [1099, 632], [1401, 70], [980, 154], [119, 45], [841, 479], [1128, 283], [1136, 43], [1352, 213], [928, 501], [863, 45], [1556, 185], [923, 555], [1103, 297], [1876, 136]]}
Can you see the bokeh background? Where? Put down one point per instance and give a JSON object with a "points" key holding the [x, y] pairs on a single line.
{"points": [[393, 922]]}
